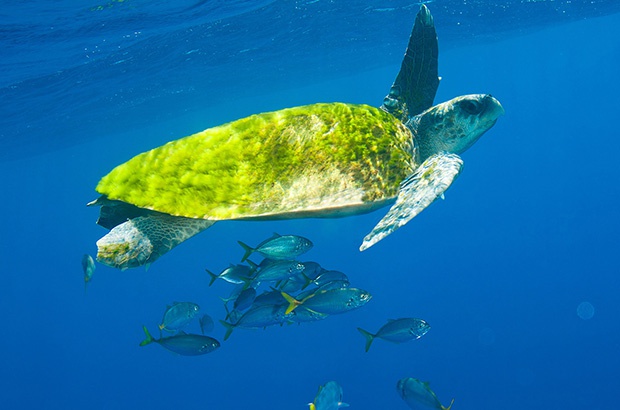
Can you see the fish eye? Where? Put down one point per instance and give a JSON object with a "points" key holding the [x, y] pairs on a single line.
{"points": [[471, 107]]}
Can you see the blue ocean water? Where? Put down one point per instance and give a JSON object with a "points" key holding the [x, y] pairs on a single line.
{"points": [[527, 233]]}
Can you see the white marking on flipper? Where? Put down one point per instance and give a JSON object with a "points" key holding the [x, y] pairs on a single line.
{"points": [[417, 192]]}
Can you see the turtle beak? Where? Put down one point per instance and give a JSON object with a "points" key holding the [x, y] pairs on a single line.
{"points": [[492, 107]]}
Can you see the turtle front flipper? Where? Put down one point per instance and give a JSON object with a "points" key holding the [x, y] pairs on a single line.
{"points": [[417, 81], [140, 241], [417, 192]]}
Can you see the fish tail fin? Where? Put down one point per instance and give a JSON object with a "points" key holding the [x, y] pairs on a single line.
{"points": [[213, 276], [253, 266], [449, 407], [292, 302], [227, 311], [248, 250], [229, 328], [149, 338], [307, 280], [369, 337], [312, 406]]}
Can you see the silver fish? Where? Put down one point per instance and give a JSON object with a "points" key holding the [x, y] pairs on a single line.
{"points": [[177, 316], [88, 267], [236, 274], [328, 276], [418, 395], [312, 270], [279, 247], [183, 343], [206, 324], [331, 302], [329, 397], [272, 297], [302, 315], [245, 299], [256, 318], [398, 331], [278, 270], [335, 284]]}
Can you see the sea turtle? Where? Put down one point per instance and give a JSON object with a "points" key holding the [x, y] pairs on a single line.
{"points": [[319, 160]]}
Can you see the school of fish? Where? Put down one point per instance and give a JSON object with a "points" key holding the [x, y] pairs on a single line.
{"points": [[280, 290]]}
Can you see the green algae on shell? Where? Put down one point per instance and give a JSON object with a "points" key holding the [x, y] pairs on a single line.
{"points": [[300, 160]]}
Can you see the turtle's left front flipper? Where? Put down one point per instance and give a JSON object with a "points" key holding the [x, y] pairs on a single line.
{"points": [[418, 191], [417, 81]]}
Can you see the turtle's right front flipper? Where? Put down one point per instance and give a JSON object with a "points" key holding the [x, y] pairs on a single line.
{"points": [[415, 86]]}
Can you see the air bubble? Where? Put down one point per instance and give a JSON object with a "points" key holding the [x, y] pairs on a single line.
{"points": [[585, 310]]}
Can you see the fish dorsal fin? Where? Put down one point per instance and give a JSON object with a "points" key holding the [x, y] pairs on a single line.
{"points": [[417, 81]]}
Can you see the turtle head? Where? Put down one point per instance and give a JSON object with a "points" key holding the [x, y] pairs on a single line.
{"points": [[455, 125]]}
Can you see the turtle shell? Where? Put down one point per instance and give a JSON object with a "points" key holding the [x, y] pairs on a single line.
{"points": [[314, 160]]}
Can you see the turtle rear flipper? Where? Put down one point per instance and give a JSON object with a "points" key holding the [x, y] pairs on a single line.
{"points": [[140, 241], [114, 213], [418, 191], [417, 81]]}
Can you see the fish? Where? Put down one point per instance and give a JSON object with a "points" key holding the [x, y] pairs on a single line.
{"points": [[88, 267], [234, 294], [183, 343], [278, 270], [177, 316], [418, 395], [335, 284], [328, 276], [271, 297], [312, 270], [293, 284], [331, 302], [243, 301], [329, 397], [302, 315], [237, 274], [206, 323], [279, 247], [397, 331], [257, 317]]}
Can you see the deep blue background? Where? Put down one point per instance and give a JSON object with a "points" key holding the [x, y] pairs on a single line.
{"points": [[527, 233]]}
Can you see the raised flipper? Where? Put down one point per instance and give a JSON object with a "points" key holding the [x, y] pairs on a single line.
{"points": [[417, 192], [140, 241], [416, 84]]}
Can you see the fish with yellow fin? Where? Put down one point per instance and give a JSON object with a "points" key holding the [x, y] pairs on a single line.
{"points": [[329, 397]]}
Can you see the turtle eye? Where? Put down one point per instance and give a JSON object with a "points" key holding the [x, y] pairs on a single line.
{"points": [[471, 107]]}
